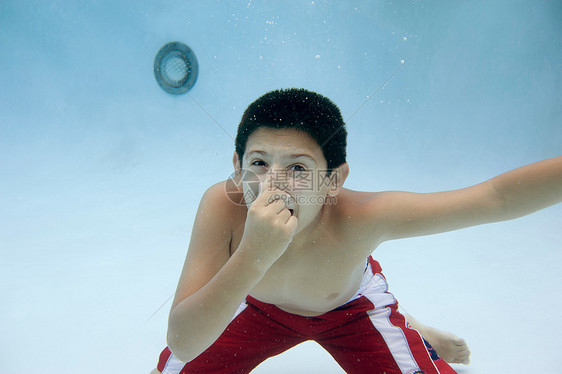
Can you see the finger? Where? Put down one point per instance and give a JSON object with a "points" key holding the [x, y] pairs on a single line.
{"points": [[266, 192], [284, 215], [277, 196], [292, 222], [263, 198], [278, 205], [269, 182]]}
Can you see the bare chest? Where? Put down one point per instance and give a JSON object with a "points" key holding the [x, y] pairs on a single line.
{"points": [[312, 280]]}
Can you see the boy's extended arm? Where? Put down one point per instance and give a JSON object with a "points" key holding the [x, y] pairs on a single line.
{"points": [[530, 188], [510, 195]]}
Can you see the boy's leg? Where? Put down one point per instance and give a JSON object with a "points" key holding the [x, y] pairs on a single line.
{"points": [[369, 335], [449, 347], [250, 338], [368, 339]]}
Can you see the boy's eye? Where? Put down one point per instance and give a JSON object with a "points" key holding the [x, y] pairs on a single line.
{"points": [[258, 163], [297, 168]]}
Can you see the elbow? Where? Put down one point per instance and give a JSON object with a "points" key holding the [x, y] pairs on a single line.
{"points": [[497, 204], [179, 348]]}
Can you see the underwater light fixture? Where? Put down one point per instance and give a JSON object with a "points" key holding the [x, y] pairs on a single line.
{"points": [[176, 68]]}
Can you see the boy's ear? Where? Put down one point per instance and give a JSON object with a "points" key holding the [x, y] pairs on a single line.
{"points": [[236, 161], [338, 177]]}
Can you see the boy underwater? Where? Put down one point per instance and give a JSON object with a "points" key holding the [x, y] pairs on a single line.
{"points": [[288, 257]]}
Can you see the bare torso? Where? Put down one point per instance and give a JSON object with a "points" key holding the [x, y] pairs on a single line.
{"points": [[320, 274]]}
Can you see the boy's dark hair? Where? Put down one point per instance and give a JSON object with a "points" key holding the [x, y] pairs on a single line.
{"points": [[301, 110]]}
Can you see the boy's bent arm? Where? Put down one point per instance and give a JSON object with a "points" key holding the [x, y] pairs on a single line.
{"points": [[516, 193], [212, 284], [197, 321]]}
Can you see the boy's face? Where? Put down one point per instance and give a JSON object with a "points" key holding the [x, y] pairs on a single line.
{"points": [[290, 161]]}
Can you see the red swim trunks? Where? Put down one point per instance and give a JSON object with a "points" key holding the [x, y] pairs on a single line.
{"points": [[365, 335]]}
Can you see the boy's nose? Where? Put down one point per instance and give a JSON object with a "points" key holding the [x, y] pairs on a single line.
{"points": [[275, 179]]}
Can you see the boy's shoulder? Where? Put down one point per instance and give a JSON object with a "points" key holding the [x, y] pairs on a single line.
{"points": [[351, 209], [221, 201], [349, 201]]}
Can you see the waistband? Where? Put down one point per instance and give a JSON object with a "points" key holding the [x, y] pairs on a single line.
{"points": [[371, 269]]}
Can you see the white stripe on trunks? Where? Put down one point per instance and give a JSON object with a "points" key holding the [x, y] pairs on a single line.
{"points": [[377, 293]]}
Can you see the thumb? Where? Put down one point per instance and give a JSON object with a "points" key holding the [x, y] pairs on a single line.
{"points": [[268, 183]]}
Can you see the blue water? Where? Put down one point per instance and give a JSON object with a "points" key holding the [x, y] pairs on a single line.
{"points": [[101, 171]]}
